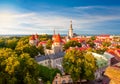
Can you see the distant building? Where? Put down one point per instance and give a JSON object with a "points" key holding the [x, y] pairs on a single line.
{"points": [[52, 60], [33, 40], [64, 79], [43, 43], [104, 37], [56, 45], [70, 32]]}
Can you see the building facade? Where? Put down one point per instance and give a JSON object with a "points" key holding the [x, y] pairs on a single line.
{"points": [[52, 60]]}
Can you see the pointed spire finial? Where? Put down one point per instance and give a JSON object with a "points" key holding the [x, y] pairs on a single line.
{"points": [[71, 24]]}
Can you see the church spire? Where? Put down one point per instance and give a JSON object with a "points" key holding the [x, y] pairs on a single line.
{"points": [[70, 33], [71, 25]]}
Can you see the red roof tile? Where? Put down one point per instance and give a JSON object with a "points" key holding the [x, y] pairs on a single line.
{"points": [[57, 38]]}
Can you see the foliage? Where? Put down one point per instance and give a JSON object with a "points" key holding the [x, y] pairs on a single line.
{"points": [[91, 43], [41, 50], [2, 43], [49, 44], [79, 64], [93, 37], [45, 37], [24, 47], [106, 44], [11, 43], [47, 74], [28, 70], [100, 51], [71, 43], [16, 69]]}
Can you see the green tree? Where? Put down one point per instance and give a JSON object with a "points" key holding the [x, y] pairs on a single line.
{"points": [[71, 43], [47, 74], [11, 43], [91, 43], [31, 50], [93, 38], [24, 47], [106, 44], [28, 70], [101, 50], [45, 37], [79, 64], [41, 49], [2, 43], [49, 44], [16, 69]]}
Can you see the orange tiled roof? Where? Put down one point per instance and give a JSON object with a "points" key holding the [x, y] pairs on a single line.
{"points": [[57, 38], [75, 39]]}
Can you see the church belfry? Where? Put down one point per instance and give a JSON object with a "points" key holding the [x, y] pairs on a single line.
{"points": [[70, 32]]}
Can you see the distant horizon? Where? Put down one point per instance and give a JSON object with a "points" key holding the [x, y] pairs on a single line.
{"points": [[52, 34]]}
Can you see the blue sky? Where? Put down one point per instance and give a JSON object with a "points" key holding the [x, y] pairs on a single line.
{"points": [[43, 16]]}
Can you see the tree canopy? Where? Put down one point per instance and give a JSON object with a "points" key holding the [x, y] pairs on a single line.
{"points": [[11, 43], [79, 64], [47, 74], [41, 50], [49, 44], [2, 42], [91, 43], [16, 69], [24, 47], [106, 44], [71, 43]]}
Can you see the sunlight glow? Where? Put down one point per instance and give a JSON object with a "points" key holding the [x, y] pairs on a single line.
{"points": [[6, 20]]}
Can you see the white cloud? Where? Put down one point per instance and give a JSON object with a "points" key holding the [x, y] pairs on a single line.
{"points": [[29, 23], [36, 22]]}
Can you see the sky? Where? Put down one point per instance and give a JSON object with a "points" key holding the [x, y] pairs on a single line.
{"points": [[43, 16]]}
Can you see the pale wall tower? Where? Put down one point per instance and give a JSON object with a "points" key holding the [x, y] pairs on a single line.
{"points": [[70, 32]]}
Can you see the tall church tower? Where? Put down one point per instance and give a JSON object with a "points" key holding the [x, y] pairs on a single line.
{"points": [[70, 32]]}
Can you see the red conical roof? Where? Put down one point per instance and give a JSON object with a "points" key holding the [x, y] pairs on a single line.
{"points": [[57, 38]]}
